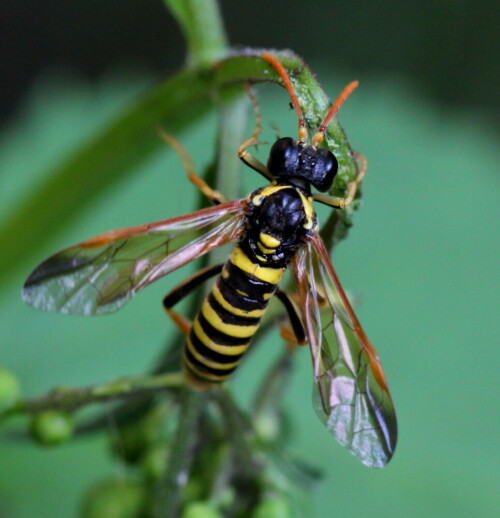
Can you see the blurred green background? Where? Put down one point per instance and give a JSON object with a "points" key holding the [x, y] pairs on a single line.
{"points": [[421, 261]]}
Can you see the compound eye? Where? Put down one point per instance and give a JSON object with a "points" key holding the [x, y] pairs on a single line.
{"points": [[330, 166], [283, 157]]}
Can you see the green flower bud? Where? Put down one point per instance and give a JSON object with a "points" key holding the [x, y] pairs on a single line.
{"points": [[134, 439], [114, 499], [200, 510], [273, 507], [226, 497], [9, 390], [155, 460], [52, 427], [267, 426]]}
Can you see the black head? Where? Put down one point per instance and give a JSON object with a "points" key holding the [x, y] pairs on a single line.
{"points": [[291, 159]]}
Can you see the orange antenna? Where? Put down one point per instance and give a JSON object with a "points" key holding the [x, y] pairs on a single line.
{"points": [[346, 92], [291, 92]]}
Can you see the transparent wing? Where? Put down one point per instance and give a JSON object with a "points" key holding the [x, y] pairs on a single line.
{"points": [[101, 274], [351, 393]]}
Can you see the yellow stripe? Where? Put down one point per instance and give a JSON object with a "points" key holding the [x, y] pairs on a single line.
{"points": [[209, 363], [265, 250], [267, 191], [202, 374], [255, 313], [228, 350], [307, 203], [270, 275], [238, 331], [269, 241]]}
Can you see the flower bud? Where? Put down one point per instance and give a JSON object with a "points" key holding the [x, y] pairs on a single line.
{"points": [[52, 427], [9, 390]]}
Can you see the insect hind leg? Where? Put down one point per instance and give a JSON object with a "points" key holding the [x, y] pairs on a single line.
{"points": [[295, 333], [182, 290], [214, 196], [184, 324]]}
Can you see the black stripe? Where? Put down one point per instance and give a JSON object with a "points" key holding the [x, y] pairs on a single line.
{"points": [[268, 261], [207, 353], [230, 318], [205, 368], [248, 282], [217, 336], [199, 376], [236, 299], [237, 279]]}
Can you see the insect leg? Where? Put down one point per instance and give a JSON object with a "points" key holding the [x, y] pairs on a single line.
{"points": [[189, 284], [243, 154], [213, 195], [352, 187], [297, 334], [182, 290]]}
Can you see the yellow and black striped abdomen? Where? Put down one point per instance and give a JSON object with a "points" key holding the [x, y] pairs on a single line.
{"points": [[228, 319]]}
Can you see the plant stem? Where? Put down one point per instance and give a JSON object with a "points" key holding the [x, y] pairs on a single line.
{"points": [[232, 125], [168, 499], [239, 431], [203, 29], [67, 398]]}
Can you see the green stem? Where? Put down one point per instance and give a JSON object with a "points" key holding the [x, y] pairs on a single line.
{"points": [[168, 500], [67, 398], [201, 22], [239, 431], [233, 116]]}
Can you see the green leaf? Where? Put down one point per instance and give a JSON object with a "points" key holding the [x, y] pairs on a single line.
{"points": [[131, 139], [118, 150]]}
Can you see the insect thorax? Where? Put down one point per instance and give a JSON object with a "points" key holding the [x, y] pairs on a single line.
{"points": [[279, 218]]}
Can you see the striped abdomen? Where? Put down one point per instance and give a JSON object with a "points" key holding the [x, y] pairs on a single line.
{"points": [[228, 319]]}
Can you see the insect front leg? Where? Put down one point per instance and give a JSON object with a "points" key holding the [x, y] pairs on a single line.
{"points": [[352, 187], [214, 196], [244, 155]]}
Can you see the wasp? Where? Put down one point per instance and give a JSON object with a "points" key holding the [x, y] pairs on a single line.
{"points": [[275, 228]]}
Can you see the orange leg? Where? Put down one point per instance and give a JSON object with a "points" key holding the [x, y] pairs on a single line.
{"points": [[182, 323], [213, 195]]}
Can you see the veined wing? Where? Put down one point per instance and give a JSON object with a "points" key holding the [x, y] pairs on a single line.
{"points": [[352, 397], [101, 274]]}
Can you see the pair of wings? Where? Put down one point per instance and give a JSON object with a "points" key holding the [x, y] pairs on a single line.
{"points": [[101, 274]]}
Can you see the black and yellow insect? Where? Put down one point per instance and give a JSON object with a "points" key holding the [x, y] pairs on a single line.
{"points": [[276, 228]]}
